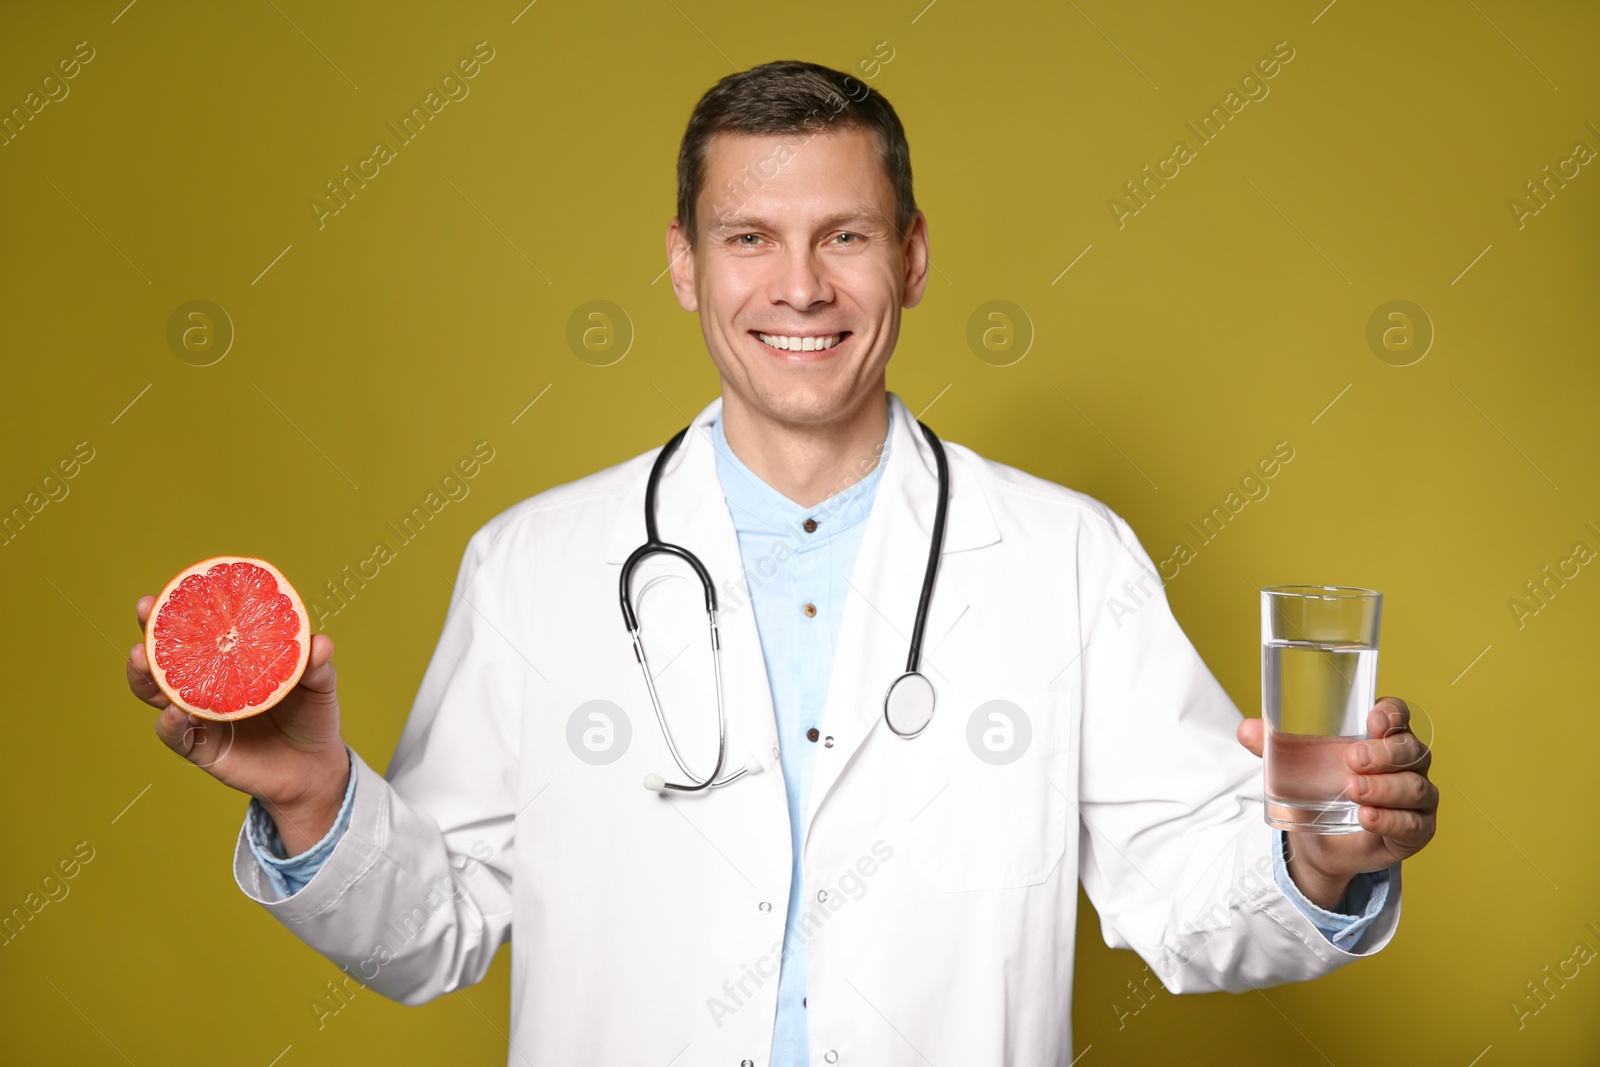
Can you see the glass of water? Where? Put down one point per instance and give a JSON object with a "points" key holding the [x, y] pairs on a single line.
{"points": [[1319, 676]]}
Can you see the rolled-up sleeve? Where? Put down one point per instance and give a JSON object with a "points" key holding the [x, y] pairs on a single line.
{"points": [[1358, 909], [290, 874]]}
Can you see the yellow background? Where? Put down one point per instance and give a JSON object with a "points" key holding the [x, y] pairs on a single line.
{"points": [[1223, 318]]}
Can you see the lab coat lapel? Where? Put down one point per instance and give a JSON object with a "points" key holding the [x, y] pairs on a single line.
{"points": [[885, 585]]}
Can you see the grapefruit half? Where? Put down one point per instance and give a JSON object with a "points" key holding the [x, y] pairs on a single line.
{"points": [[228, 638]]}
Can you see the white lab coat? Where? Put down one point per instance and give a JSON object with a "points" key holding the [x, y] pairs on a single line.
{"points": [[941, 888]]}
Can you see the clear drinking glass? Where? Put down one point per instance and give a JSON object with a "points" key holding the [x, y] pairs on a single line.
{"points": [[1319, 675]]}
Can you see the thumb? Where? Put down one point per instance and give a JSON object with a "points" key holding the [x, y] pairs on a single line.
{"points": [[1250, 735], [320, 675]]}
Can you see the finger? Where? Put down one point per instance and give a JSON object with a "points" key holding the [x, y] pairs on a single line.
{"points": [[1402, 789], [141, 609], [1388, 715], [1403, 830], [178, 731], [320, 675], [1250, 734], [1398, 752], [139, 680]]}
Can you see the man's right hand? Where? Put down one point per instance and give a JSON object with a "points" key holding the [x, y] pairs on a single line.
{"points": [[290, 757]]}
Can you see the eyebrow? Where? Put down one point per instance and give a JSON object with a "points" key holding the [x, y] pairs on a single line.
{"points": [[733, 220]]}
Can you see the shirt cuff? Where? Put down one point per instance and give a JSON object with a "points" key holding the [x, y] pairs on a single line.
{"points": [[289, 875], [1354, 912]]}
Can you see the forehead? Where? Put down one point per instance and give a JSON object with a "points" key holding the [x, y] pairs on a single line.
{"points": [[811, 172]]}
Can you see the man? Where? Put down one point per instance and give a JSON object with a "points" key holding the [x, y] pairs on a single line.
{"points": [[854, 896]]}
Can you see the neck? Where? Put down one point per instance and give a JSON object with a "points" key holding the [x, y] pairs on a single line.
{"points": [[807, 462]]}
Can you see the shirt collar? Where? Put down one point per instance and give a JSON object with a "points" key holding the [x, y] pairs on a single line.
{"points": [[757, 507]]}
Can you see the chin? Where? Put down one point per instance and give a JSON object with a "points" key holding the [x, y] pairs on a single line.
{"points": [[803, 403]]}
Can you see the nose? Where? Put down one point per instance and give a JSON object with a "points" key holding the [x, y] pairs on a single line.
{"points": [[800, 279]]}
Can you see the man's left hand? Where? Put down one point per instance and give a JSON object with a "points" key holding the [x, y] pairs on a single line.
{"points": [[1398, 813]]}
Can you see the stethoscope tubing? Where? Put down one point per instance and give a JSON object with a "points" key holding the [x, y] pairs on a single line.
{"points": [[935, 550], [655, 546]]}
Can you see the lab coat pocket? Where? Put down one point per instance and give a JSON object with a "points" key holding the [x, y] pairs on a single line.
{"points": [[993, 813]]}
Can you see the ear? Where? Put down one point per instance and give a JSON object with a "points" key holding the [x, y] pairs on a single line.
{"points": [[680, 263], [917, 259]]}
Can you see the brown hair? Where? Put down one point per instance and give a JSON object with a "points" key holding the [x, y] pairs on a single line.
{"points": [[791, 97]]}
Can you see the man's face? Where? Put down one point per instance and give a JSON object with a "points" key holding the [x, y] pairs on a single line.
{"points": [[806, 258]]}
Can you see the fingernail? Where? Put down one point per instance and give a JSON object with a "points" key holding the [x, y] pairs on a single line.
{"points": [[1363, 756], [1396, 719], [1360, 788]]}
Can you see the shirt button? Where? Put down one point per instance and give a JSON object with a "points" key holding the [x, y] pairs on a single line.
{"points": [[810, 610], [813, 733], [811, 525]]}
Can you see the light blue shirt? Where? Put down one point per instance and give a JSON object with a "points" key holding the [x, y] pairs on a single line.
{"points": [[790, 570], [798, 585], [289, 876]]}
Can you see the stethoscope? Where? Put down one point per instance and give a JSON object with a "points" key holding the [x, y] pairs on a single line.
{"points": [[908, 702]]}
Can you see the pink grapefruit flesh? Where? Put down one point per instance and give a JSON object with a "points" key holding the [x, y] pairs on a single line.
{"points": [[228, 638]]}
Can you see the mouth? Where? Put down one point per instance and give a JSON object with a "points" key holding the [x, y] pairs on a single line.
{"points": [[802, 348]]}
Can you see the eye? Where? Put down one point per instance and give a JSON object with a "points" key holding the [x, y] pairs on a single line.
{"points": [[740, 240], [857, 236]]}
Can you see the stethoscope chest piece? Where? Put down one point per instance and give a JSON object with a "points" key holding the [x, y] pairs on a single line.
{"points": [[908, 704]]}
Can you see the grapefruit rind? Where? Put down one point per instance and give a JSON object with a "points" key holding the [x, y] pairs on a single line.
{"points": [[159, 672]]}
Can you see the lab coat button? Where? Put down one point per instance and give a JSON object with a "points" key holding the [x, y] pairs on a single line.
{"points": [[746, 1063], [822, 894], [828, 741], [831, 1056], [765, 906]]}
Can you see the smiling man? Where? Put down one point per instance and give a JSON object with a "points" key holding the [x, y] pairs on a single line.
{"points": [[799, 261], [846, 891]]}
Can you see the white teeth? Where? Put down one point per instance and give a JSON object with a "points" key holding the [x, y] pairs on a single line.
{"points": [[800, 344]]}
